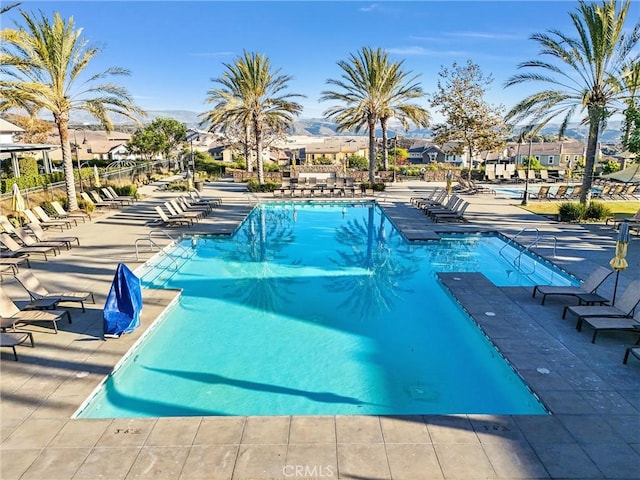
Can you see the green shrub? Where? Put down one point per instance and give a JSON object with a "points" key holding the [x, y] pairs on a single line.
{"points": [[571, 211], [376, 187], [255, 187], [597, 211], [129, 190]]}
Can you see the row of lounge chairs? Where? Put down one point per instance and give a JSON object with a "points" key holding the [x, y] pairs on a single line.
{"points": [[506, 175], [313, 187], [185, 210], [43, 306], [597, 312], [434, 207]]}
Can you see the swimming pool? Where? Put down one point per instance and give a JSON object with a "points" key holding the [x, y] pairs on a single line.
{"points": [[320, 309]]}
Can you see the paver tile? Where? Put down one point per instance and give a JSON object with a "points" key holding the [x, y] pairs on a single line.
{"points": [[311, 429], [210, 462]]}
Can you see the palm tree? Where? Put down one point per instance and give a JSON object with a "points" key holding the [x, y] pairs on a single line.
{"points": [[401, 90], [586, 74], [43, 65], [252, 95], [362, 100], [631, 79]]}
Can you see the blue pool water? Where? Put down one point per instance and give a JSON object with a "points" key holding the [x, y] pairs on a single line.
{"points": [[320, 310]]}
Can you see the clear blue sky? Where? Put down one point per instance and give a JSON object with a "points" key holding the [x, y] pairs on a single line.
{"points": [[173, 49]]}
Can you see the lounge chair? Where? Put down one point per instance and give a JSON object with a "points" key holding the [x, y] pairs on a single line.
{"points": [[187, 206], [97, 199], [173, 220], [29, 241], [12, 315], [13, 339], [199, 200], [633, 350], [6, 225], [61, 224], [543, 192], [37, 291], [616, 220], [114, 194], [452, 205], [62, 213], [16, 250], [14, 263], [612, 324], [97, 204], [43, 236], [590, 285], [44, 216], [629, 191], [176, 211], [560, 193], [115, 197], [624, 307], [213, 200], [456, 216]]}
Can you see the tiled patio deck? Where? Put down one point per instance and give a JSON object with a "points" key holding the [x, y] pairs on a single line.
{"points": [[594, 431]]}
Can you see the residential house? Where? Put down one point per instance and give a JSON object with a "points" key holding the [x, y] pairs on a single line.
{"points": [[549, 154], [336, 149], [424, 153]]}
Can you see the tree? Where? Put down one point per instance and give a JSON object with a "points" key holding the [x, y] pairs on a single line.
{"points": [[171, 132], [632, 130], [470, 122], [584, 74], [631, 126], [400, 90], [35, 129], [372, 89], [44, 67], [253, 95], [146, 143]]}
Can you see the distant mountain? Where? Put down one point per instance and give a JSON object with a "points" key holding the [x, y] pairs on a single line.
{"points": [[321, 127]]}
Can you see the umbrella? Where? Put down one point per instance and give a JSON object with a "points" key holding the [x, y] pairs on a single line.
{"points": [[17, 203], [96, 176], [619, 262], [449, 177]]}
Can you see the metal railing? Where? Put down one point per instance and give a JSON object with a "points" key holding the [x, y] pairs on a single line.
{"points": [[517, 261]]}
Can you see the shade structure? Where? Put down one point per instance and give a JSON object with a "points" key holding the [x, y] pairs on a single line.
{"points": [[619, 261], [628, 175], [17, 202], [124, 303], [96, 176]]}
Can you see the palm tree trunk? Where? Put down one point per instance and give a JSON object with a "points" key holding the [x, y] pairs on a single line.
{"points": [[247, 150], [385, 150], [67, 162], [372, 150], [595, 118], [258, 132]]}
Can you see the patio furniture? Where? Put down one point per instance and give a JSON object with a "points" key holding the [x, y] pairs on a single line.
{"points": [[13, 339], [590, 285], [37, 291], [16, 250]]}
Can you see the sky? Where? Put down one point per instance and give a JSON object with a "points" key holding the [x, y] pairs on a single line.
{"points": [[174, 49]]}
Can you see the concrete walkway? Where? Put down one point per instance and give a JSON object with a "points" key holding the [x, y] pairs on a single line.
{"points": [[593, 432]]}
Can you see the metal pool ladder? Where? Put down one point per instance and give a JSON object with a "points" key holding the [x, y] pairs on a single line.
{"points": [[517, 261], [152, 243]]}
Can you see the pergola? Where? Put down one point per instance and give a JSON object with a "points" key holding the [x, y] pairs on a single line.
{"points": [[13, 149]]}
